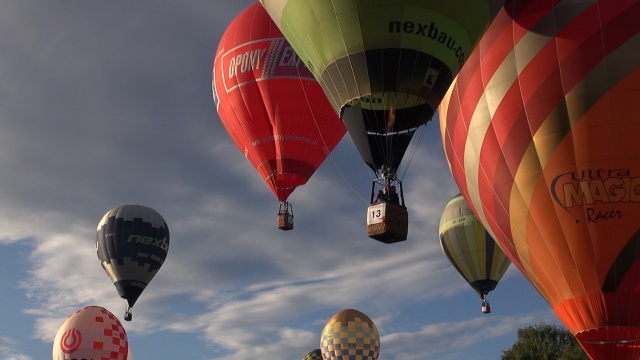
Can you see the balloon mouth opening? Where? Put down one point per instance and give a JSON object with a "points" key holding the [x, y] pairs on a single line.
{"points": [[611, 342], [625, 335], [484, 286]]}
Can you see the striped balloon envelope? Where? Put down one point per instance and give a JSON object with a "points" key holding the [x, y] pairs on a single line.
{"points": [[470, 248], [540, 130]]}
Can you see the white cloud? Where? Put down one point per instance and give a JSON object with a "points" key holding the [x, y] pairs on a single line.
{"points": [[8, 349], [448, 340]]}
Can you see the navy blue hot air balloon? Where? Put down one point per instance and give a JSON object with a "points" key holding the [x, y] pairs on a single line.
{"points": [[132, 243]]}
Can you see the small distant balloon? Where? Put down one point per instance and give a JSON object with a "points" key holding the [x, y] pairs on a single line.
{"points": [[471, 249], [313, 355], [132, 243], [350, 334], [91, 333]]}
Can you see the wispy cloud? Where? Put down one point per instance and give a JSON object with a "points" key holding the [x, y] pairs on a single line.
{"points": [[8, 349]]}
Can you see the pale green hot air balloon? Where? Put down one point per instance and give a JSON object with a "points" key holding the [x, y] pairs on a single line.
{"points": [[470, 249]]}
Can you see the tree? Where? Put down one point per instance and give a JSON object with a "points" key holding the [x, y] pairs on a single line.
{"points": [[544, 342]]}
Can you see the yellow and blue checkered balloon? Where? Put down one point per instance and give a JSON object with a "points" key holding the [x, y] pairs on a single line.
{"points": [[314, 355], [350, 335]]}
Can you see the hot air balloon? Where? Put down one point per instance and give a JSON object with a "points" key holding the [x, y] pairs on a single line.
{"points": [[272, 106], [313, 355], [471, 249], [132, 243], [91, 333], [350, 334], [540, 131], [385, 66]]}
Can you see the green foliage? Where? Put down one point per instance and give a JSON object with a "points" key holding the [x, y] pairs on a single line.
{"points": [[544, 342]]}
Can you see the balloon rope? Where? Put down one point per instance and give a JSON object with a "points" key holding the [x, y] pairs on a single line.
{"points": [[303, 37], [330, 152], [414, 146]]}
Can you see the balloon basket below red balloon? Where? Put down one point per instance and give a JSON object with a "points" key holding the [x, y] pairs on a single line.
{"points": [[285, 221], [285, 216], [387, 223]]}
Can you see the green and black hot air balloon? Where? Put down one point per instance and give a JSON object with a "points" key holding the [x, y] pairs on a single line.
{"points": [[384, 66]]}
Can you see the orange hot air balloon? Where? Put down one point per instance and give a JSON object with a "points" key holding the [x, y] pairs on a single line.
{"points": [[271, 105], [540, 130]]}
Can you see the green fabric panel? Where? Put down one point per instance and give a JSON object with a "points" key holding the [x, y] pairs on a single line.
{"points": [[323, 31]]}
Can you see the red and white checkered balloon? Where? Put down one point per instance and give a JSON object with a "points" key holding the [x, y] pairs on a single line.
{"points": [[91, 333]]}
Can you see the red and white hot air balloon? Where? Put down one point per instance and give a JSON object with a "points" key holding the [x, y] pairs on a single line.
{"points": [[91, 333]]}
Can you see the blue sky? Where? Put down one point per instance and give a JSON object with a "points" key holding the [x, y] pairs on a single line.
{"points": [[109, 103]]}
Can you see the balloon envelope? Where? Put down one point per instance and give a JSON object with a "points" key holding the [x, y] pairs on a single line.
{"points": [[132, 243], [540, 131], [470, 248], [270, 104], [384, 65], [350, 334], [313, 355], [91, 333]]}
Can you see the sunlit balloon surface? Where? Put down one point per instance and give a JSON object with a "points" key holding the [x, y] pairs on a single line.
{"points": [[540, 130], [350, 334], [384, 65], [91, 333]]}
